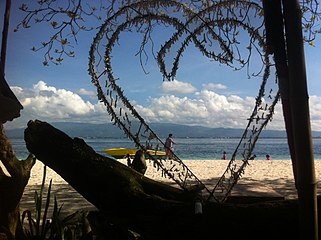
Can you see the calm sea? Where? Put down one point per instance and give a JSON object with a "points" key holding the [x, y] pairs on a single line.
{"points": [[194, 148]]}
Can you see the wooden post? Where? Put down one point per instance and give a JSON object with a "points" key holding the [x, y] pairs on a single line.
{"points": [[273, 18], [5, 34], [306, 183]]}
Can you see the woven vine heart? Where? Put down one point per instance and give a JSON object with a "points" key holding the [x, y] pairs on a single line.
{"points": [[213, 30]]}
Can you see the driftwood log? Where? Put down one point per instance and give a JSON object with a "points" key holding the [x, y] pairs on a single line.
{"points": [[150, 208]]}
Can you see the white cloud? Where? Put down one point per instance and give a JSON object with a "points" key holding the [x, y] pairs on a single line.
{"points": [[56, 103], [48, 103], [315, 112], [85, 92], [42, 86], [178, 87], [206, 108], [213, 86]]}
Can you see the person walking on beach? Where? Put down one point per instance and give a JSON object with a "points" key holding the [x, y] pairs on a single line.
{"points": [[169, 146], [224, 155]]}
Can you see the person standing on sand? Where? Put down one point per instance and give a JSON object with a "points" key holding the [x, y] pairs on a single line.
{"points": [[268, 157], [169, 146], [224, 155]]}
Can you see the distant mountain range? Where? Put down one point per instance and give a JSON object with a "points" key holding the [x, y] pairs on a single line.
{"points": [[88, 130]]}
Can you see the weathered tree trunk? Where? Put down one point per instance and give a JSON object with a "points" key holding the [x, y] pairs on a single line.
{"points": [[103, 181], [13, 180], [14, 174], [153, 209]]}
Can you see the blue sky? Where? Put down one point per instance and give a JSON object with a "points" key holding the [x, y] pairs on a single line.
{"points": [[204, 93]]}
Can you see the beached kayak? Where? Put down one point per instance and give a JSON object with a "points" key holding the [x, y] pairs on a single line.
{"points": [[123, 152]]}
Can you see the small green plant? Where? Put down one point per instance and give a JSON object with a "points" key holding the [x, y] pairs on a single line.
{"points": [[57, 227]]}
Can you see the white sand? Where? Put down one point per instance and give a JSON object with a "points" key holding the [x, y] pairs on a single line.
{"points": [[203, 169], [277, 174]]}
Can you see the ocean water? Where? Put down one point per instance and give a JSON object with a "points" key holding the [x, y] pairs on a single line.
{"points": [[194, 148]]}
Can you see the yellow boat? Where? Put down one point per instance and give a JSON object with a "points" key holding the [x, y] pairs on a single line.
{"points": [[155, 153], [123, 152]]}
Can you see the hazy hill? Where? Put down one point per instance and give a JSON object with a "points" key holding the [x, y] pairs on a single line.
{"points": [[162, 129]]}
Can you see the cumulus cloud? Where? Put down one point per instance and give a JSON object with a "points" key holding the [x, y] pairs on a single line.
{"points": [[213, 86], [315, 112], [177, 87], [51, 104], [56, 103], [85, 92], [205, 108]]}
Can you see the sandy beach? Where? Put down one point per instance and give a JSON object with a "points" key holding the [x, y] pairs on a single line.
{"points": [[275, 174]]}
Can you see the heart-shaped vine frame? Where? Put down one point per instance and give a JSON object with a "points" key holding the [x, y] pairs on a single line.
{"points": [[217, 23]]}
